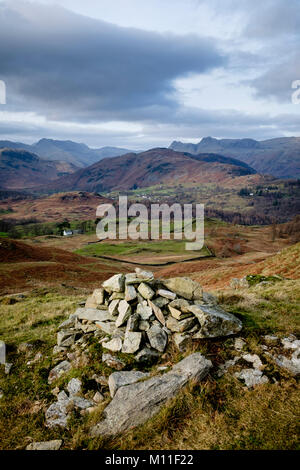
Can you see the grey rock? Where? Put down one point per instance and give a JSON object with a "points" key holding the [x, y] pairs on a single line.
{"points": [[130, 293], [113, 307], [133, 322], [291, 365], [215, 321], [147, 355], [160, 301], [253, 359], [136, 403], [132, 342], [121, 379], [2, 352], [74, 387], [252, 377], [290, 342], [113, 362], [181, 341], [209, 299], [59, 370], [146, 291], [96, 299], [81, 403], [180, 304], [158, 338], [65, 338], [180, 326], [98, 397], [144, 325], [57, 414], [49, 445], [115, 283], [157, 312], [107, 327], [93, 314], [239, 343], [7, 367], [117, 296], [69, 323], [144, 311], [167, 294], [114, 344], [184, 287], [178, 314], [144, 274], [124, 312]]}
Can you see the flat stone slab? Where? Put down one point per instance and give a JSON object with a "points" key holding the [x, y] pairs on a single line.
{"points": [[136, 403], [93, 314], [49, 445], [121, 379]]}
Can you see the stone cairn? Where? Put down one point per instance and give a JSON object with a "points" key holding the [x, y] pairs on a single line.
{"points": [[137, 314]]}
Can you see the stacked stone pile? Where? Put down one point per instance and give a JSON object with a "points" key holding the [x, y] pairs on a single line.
{"points": [[137, 314]]}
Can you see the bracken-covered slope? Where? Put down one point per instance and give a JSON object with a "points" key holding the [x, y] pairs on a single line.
{"points": [[155, 166], [278, 157]]}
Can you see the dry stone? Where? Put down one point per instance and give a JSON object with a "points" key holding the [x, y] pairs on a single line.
{"points": [[157, 337], [136, 403], [146, 291], [115, 283], [184, 287], [121, 379]]}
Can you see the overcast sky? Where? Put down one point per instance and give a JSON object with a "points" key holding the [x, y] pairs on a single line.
{"points": [[141, 73]]}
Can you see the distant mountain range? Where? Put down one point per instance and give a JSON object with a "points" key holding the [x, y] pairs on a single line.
{"points": [[278, 157], [21, 169], [155, 166], [75, 153]]}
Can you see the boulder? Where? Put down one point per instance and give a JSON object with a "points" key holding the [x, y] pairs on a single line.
{"points": [[136, 403], [115, 283], [215, 321], [184, 287], [121, 379]]}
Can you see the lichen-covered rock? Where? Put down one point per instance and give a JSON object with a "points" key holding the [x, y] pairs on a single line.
{"points": [[215, 321], [124, 309], [136, 403], [182, 325], [252, 377], [93, 314], [114, 344], [157, 337], [130, 293], [59, 370], [115, 283], [121, 379], [146, 291], [132, 342], [184, 287]]}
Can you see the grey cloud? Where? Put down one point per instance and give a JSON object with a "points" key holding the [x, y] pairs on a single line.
{"points": [[72, 67]]}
